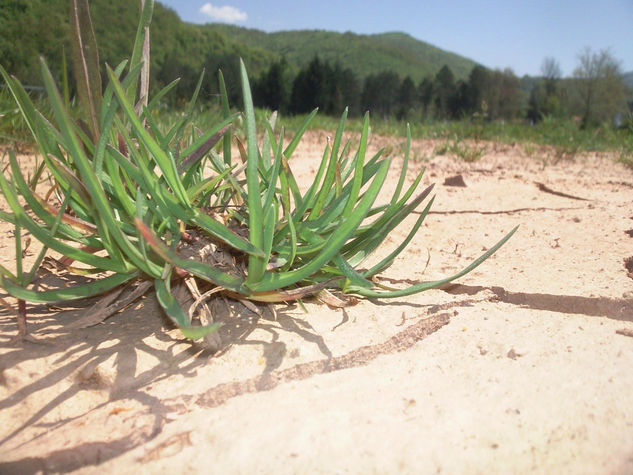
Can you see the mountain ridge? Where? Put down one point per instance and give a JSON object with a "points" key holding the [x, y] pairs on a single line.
{"points": [[364, 54]]}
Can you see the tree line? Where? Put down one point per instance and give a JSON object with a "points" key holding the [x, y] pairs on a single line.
{"points": [[594, 94]]}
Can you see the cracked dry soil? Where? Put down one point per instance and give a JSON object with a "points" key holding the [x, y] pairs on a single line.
{"points": [[522, 365]]}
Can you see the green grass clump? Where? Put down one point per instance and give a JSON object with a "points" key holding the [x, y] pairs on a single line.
{"points": [[137, 198], [468, 153]]}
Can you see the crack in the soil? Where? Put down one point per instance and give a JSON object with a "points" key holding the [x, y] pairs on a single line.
{"points": [[503, 211], [401, 341]]}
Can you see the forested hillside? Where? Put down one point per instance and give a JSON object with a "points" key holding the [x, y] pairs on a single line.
{"points": [[34, 28], [364, 54]]}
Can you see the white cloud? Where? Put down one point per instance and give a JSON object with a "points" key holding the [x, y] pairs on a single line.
{"points": [[226, 13]]}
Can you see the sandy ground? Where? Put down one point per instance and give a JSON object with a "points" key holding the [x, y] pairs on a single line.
{"points": [[524, 366]]}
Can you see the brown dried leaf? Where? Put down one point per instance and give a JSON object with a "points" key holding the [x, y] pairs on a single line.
{"points": [[333, 301]]}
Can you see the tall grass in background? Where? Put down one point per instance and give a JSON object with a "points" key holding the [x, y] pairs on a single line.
{"points": [[563, 134]]}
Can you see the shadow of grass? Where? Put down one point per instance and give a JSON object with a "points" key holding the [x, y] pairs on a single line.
{"points": [[75, 358], [615, 309]]}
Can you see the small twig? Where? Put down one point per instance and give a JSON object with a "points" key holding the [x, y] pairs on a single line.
{"points": [[271, 307], [251, 306], [333, 301], [625, 332], [228, 307], [7, 305], [201, 151], [212, 340], [547, 189], [200, 298], [23, 334], [105, 307], [22, 331]]}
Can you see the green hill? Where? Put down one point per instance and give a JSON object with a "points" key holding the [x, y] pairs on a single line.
{"points": [[34, 28], [364, 54]]}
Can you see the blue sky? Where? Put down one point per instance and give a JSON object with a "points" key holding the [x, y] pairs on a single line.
{"points": [[496, 33]]}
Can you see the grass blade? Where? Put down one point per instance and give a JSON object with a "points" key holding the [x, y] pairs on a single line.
{"points": [[69, 293], [289, 150], [202, 149], [256, 265], [176, 313], [86, 64], [358, 171], [308, 201], [221, 232], [433, 284], [405, 164], [386, 262], [226, 112], [273, 174], [144, 86], [139, 45]]}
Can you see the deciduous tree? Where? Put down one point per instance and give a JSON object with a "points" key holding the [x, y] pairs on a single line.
{"points": [[600, 90]]}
